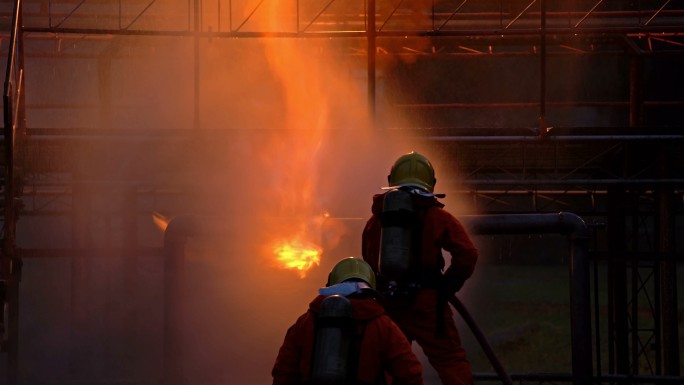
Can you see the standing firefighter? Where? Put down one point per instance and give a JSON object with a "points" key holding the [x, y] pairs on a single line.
{"points": [[403, 242], [345, 337]]}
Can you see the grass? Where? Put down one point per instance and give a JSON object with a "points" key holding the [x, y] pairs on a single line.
{"points": [[524, 312]]}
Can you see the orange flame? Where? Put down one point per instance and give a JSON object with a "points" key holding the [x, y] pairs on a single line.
{"points": [[160, 220], [297, 255]]}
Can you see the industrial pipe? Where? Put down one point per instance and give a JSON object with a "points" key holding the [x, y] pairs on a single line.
{"points": [[574, 227]]}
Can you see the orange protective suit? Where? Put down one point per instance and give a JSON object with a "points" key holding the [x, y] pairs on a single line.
{"points": [[383, 348], [425, 316]]}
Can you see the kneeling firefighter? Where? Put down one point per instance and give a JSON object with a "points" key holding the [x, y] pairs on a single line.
{"points": [[403, 242], [345, 337]]}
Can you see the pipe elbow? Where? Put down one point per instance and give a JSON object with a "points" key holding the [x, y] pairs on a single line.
{"points": [[573, 225]]}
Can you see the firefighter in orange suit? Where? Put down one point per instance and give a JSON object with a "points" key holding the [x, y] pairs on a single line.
{"points": [[345, 337], [403, 243]]}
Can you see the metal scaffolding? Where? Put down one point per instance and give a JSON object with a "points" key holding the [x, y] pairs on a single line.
{"points": [[613, 156]]}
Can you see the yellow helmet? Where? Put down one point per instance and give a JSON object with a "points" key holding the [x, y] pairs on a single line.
{"points": [[351, 268], [413, 169]]}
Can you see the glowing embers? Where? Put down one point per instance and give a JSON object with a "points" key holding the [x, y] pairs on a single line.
{"points": [[297, 255]]}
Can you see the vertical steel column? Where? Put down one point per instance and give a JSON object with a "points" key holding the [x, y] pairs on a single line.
{"points": [[175, 238], [79, 325], [668, 271], [197, 29], [635, 287], [636, 98], [617, 288], [174, 258], [371, 36], [104, 74], [130, 282], [542, 70], [14, 132]]}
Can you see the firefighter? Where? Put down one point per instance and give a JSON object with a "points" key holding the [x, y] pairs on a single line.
{"points": [[403, 242], [355, 344]]}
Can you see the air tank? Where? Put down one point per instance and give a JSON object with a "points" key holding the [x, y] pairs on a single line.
{"points": [[335, 330], [396, 239]]}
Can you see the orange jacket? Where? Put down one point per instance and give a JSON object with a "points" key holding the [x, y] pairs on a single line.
{"points": [[441, 231], [383, 348]]}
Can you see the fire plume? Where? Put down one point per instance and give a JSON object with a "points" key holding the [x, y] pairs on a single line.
{"points": [[297, 255]]}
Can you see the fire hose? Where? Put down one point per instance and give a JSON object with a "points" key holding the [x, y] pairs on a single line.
{"points": [[461, 309]]}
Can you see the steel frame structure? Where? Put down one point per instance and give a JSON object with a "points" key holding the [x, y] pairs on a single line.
{"points": [[507, 170]]}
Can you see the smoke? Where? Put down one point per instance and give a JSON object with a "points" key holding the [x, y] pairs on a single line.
{"points": [[285, 148], [308, 169]]}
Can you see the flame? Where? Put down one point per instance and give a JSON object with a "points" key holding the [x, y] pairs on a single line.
{"points": [[297, 255], [160, 220]]}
